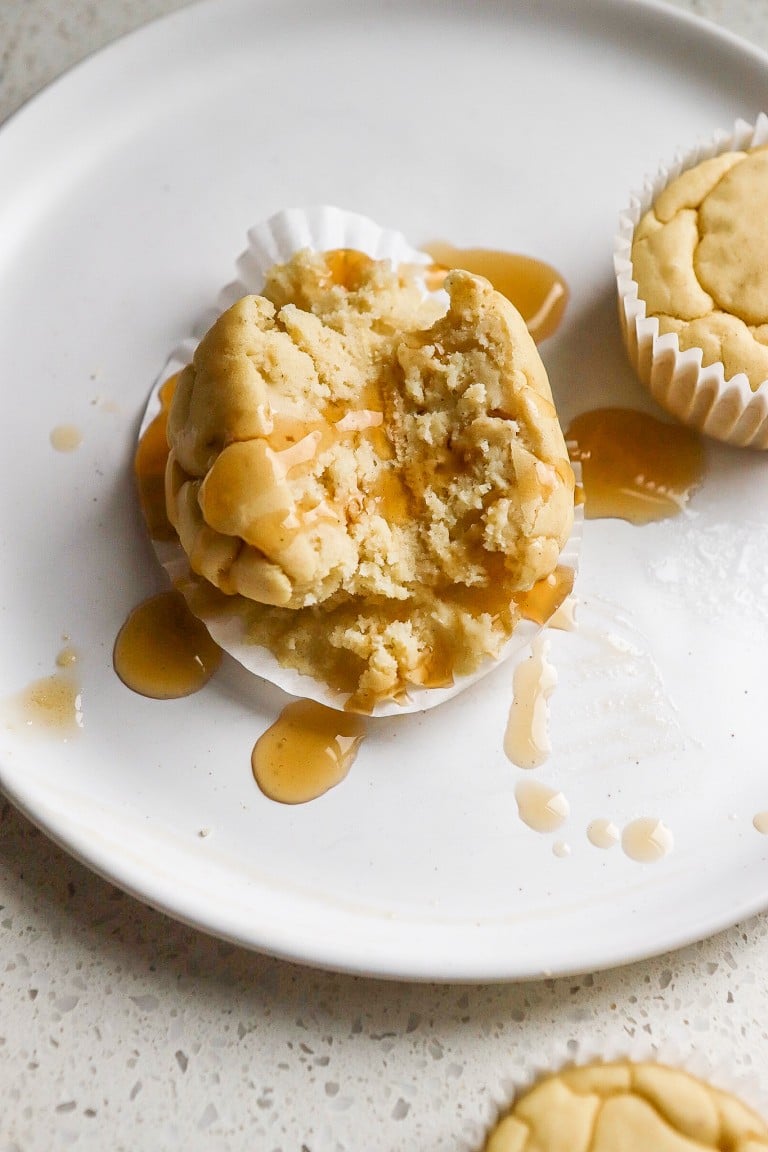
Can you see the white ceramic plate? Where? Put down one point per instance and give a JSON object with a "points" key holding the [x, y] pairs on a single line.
{"points": [[127, 189]]}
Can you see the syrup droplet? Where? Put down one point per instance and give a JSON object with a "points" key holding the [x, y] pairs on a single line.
{"points": [[308, 750], [760, 823], [537, 290], [634, 467], [603, 833], [526, 740], [66, 437], [163, 651], [542, 808], [647, 839], [149, 467], [67, 657], [561, 849]]}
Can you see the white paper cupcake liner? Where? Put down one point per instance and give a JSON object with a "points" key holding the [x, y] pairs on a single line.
{"points": [[274, 242], [727, 409], [636, 1050]]}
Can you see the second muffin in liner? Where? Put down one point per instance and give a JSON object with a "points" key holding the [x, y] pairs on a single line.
{"points": [[275, 242], [703, 362], [636, 1097]]}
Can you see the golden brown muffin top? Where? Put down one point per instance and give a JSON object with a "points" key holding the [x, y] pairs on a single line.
{"points": [[627, 1107], [700, 260]]}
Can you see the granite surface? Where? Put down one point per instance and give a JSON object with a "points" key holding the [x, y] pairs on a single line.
{"points": [[121, 1027]]}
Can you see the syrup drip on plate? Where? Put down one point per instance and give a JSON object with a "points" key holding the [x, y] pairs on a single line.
{"points": [[646, 840], [603, 833], [308, 750], [163, 651], [526, 740], [51, 704], [542, 808], [634, 467], [149, 467], [536, 289]]}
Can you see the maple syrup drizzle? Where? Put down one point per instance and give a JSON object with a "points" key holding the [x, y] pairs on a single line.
{"points": [[536, 289], [149, 467], [308, 750], [163, 651], [634, 467]]}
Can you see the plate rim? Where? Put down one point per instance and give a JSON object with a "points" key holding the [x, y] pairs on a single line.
{"points": [[115, 870]]}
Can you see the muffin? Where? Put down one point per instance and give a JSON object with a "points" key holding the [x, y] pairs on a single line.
{"points": [[692, 274], [634, 1107], [367, 476]]}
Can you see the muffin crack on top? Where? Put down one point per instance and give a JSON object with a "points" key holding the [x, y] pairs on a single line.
{"points": [[368, 475]]}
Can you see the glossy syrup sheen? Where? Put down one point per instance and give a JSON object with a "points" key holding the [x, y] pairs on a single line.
{"points": [[541, 601], [149, 467], [542, 808], [308, 750], [163, 651], [536, 289], [526, 739], [646, 839], [634, 467]]}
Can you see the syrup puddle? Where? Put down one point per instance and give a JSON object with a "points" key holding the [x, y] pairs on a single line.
{"points": [[308, 750], [536, 289], [163, 651], [634, 467], [760, 823]]}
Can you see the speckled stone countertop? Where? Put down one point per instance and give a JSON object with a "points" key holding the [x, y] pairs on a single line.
{"points": [[122, 1028]]}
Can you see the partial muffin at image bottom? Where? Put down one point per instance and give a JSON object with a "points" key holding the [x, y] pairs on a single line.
{"points": [[622, 1106]]}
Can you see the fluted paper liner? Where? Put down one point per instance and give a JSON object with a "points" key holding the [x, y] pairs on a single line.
{"points": [[274, 242], [701, 397]]}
